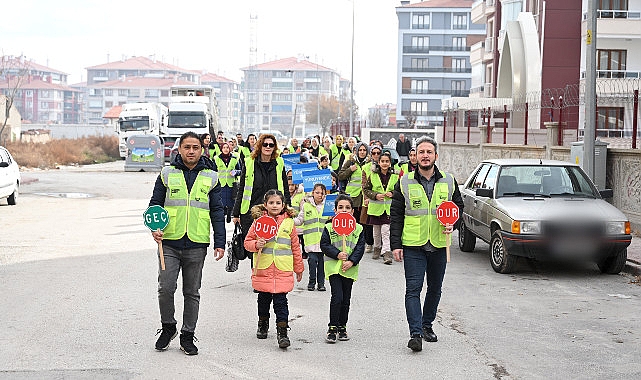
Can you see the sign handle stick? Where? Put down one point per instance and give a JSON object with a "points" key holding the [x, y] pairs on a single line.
{"points": [[257, 259], [162, 255], [447, 247], [344, 248]]}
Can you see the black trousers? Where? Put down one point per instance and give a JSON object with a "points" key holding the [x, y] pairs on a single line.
{"points": [[280, 305], [341, 295]]}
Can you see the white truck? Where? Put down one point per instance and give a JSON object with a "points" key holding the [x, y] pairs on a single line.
{"points": [[140, 119], [191, 108]]}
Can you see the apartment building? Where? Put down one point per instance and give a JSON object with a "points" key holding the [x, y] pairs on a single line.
{"points": [[229, 97], [618, 65], [434, 39], [43, 95], [276, 93]]}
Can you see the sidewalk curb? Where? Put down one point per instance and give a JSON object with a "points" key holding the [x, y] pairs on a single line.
{"points": [[632, 267]]}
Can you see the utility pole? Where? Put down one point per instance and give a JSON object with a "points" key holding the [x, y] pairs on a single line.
{"points": [[589, 131], [351, 84]]}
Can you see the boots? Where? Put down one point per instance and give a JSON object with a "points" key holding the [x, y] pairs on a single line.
{"points": [[368, 248], [377, 253], [263, 327], [281, 334], [387, 258], [187, 343], [167, 333]]}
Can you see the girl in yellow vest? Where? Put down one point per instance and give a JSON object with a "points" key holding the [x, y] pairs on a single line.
{"points": [[378, 189], [279, 258], [341, 268], [296, 194], [312, 221], [228, 167]]}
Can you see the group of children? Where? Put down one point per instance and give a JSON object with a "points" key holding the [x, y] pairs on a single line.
{"points": [[277, 260]]}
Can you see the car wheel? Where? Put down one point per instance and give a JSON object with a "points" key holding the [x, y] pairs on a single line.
{"points": [[13, 198], [614, 264], [501, 260], [466, 239]]}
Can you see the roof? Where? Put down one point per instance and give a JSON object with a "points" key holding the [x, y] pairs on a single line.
{"points": [[29, 83], [291, 63], [140, 82], [441, 4], [211, 77], [528, 162], [139, 63], [17, 62], [113, 113]]}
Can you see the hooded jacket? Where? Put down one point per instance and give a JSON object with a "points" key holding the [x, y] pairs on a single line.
{"points": [[216, 210]]}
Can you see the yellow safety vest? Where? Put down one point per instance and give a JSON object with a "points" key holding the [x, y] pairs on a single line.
{"points": [[313, 224], [355, 185], [188, 211], [249, 181], [376, 207], [224, 171], [420, 223], [333, 266], [296, 201], [278, 250], [336, 156]]}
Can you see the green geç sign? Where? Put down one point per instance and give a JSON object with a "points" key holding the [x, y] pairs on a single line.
{"points": [[156, 218]]}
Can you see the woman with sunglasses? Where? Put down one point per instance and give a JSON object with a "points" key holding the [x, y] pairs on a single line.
{"points": [[263, 170]]}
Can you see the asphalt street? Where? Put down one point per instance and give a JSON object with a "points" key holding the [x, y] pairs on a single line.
{"points": [[78, 269]]}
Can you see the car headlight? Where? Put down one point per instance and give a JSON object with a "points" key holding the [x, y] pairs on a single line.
{"points": [[519, 227], [617, 228]]}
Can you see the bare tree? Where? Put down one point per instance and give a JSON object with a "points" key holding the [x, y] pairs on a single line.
{"points": [[376, 118], [330, 109], [13, 71]]}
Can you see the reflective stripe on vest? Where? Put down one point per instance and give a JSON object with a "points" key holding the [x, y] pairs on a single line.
{"points": [[278, 250], [312, 225], [296, 201], [420, 223], [355, 185], [224, 171], [333, 266], [249, 181], [376, 207], [188, 211]]}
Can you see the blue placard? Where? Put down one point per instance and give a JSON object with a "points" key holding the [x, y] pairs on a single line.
{"points": [[312, 177], [298, 169], [328, 209], [291, 159]]}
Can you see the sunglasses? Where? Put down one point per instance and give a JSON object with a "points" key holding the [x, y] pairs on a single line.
{"points": [[375, 153], [269, 145]]}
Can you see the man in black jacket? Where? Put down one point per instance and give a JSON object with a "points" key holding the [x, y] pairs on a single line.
{"points": [[403, 147], [186, 188]]}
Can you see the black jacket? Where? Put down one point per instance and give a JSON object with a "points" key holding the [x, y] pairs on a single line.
{"points": [[264, 179], [216, 210], [330, 251], [403, 147], [397, 211]]}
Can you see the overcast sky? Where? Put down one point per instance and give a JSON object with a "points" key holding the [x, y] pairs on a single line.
{"points": [[212, 35]]}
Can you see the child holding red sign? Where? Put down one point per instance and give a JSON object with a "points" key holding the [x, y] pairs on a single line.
{"points": [[275, 259], [344, 253]]}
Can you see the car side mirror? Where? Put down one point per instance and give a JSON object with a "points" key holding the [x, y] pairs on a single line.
{"points": [[607, 193], [4, 164], [488, 193]]}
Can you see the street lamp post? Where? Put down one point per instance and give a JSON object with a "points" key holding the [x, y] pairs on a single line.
{"points": [[351, 85]]}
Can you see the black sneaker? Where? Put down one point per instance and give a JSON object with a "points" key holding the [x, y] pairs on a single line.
{"points": [[342, 333], [415, 343], [310, 288], [187, 343], [321, 288], [428, 335], [331, 334], [167, 334]]}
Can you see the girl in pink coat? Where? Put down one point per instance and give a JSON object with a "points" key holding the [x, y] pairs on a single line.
{"points": [[275, 262]]}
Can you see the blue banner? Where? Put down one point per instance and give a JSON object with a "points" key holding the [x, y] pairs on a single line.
{"points": [[328, 210], [312, 177], [290, 159], [298, 169]]}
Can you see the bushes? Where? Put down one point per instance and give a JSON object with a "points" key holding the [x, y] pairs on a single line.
{"points": [[82, 151]]}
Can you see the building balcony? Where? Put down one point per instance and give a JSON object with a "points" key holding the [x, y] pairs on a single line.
{"points": [[616, 24], [615, 74], [487, 90], [477, 52], [430, 49], [415, 91], [436, 70], [489, 49], [481, 9]]}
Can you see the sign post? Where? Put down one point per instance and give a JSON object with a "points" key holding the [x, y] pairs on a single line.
{"points": [[447, 214], [157, 219], [344, 224], [266, 228]]}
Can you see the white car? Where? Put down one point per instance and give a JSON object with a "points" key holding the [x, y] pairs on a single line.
{"points": [[9, 177]]}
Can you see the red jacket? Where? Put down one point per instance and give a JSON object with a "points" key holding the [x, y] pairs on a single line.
{"points": [[272, 279]]}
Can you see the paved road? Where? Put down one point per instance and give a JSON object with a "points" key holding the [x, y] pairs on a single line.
{"points": [[79, 301]]}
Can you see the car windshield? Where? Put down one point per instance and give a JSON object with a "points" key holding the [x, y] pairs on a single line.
{"points": [[545, 181]]}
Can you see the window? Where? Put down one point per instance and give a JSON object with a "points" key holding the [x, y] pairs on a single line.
{"points": [[419, 63], [458, 43], [419, 108], [610, 121], [251, 108], [265, 97], [479, 178], [616, 5], [109, 104], [265, 120], [420, 42], [300, 97], [419, 86], [459, 21], [282, 108], [421, 21], [611, 63], [266, 86], [458, 88], [122, 92], [458, 65], [251, 97], [164, 93], [134, 93], [267, 74], [282, 97], [109, 92], [151, 93], [44, 105]]}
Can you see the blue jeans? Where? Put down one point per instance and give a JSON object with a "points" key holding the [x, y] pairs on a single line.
{"points": [[191, 261], [419, 264], [280, 305], [316, 269]]}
